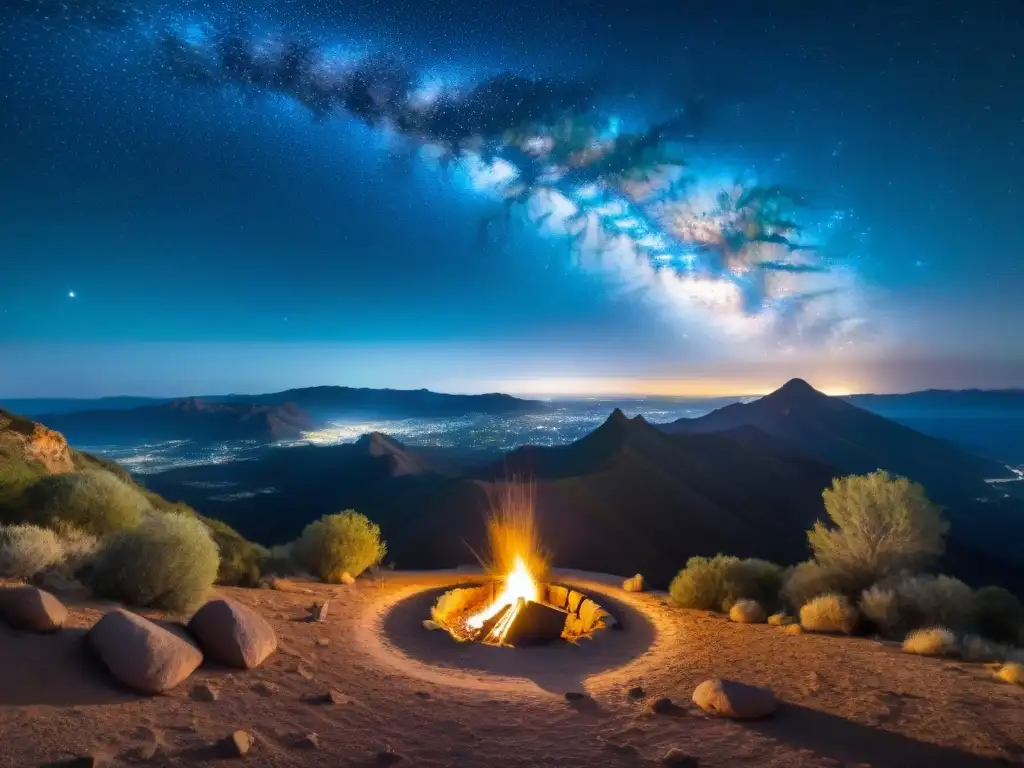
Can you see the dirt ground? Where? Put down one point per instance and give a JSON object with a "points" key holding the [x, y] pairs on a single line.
{"points": [[845, 701]]}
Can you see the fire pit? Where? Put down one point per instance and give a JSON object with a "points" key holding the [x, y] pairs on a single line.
{"points": [[518, 611]]}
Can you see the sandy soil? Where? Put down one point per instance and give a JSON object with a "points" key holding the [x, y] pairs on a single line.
{"points": [[848, 702]]}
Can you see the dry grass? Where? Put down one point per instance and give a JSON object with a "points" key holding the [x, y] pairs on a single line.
{"points": [[1011, 673], [25, 550], [793, 629], [746, 612], [780, 620], [937, 641], [828, 613]]}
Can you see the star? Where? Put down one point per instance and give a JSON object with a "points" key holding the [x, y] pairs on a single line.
{"points": [[71, 294]]}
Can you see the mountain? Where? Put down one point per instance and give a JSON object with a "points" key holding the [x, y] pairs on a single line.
{"points": [[188, 419], [989, 423], [852, 439], [628, 497], [320, 402]]}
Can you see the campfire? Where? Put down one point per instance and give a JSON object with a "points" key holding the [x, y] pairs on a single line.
{"points": [[516, 607]]}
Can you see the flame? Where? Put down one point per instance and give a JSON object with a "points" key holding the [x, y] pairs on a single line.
{"points": [[520, 587]]}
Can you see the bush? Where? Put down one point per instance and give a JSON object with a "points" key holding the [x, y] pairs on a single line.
{"points": [[78, 547], [93, 501], [26, 550], [881, 526], [880, 605], [335, 544], [1011, 673], [808, 580], [168, 562], [937, 641], [240, 560], [935, 601], [998, 614], [978, 649], [84, 461], [829, 613], [780, 620], [746, 612], [718, 582]]}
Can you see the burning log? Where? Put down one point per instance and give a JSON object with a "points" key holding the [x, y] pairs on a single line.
{"points": [[535, 624]]}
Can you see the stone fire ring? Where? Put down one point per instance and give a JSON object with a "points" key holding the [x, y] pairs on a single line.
{"points": [[391, 632]]}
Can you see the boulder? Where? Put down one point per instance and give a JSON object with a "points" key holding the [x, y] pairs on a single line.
{"points": [[726, 698], [32, 609], [140, 654], [237, 744], [676, 758], [635, 584], [746, 612], [232, 634]]}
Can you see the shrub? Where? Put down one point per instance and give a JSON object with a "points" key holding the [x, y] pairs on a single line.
{"points": [[240, 560], [974, 648], [335, 544], [78, 547], [880, 605], [746, 612], [93, 501], [1011, 673], [780, 620], [26, 550], [881, 526], [168, 562], [718, 582], [828, 613], [85, 461], [937, 641], [808, 580], [998, 614], [934, 601]]}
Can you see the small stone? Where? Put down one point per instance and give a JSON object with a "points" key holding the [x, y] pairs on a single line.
{"points": [[347, 578], [204, 692], [309, 741], [637, 692], [431, 625], [237, 744], [679, 759], [627, 750], [422, 694], [304, 672], [665, 706], [575, 696], [389, 757], [635, 584], [264, 688], [323, 642]]}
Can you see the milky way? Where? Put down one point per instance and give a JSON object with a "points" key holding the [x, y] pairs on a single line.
{"points": [[639, 207]]}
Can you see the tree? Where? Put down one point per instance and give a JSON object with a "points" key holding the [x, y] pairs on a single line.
{"points": [[881, 526]]}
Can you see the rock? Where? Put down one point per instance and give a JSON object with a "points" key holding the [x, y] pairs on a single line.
{"points": [[627, 750], [636, 692], [389, 757], [309, 741], [54, 583], [318, 611], [746, 612], [336, 697], [142, 655], [679, 759], [347, 578], [237, 744], [665, 706], [304, 672], [264, 688], [635, 584], [204, 692], [323, 642], [32, 609], [431, 625], [422, 694], [232, 634], [726, 698], [575, 696]]}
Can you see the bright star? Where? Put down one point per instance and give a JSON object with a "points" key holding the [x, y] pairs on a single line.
{"points": [[71, 294]]}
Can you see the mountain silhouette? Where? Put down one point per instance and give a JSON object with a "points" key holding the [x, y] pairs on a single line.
{"points": [[851, 439]]}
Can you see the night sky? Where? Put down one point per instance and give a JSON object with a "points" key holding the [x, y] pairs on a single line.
{"points": [[578, 197]]}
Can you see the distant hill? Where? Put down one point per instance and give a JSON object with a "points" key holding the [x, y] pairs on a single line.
{"points": [[320, 402], [188, 419], [852, 439]]}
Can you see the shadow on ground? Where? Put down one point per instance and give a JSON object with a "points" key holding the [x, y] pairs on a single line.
{"points": [[558, 667]]}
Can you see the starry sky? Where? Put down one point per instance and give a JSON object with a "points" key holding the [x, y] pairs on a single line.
{"points": [[582, 197]]}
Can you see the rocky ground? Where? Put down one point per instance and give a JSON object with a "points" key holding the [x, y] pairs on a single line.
{"points": [[369, 686]]}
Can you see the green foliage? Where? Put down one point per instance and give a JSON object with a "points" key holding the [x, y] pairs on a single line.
{"points": [[16, 474], [907, 603], [167, 562], [26, 550], [344, 543], [881, 526], [881, 606], [999, 615], [240, 559], [93, 501], [716, 583], [829, 613]]}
